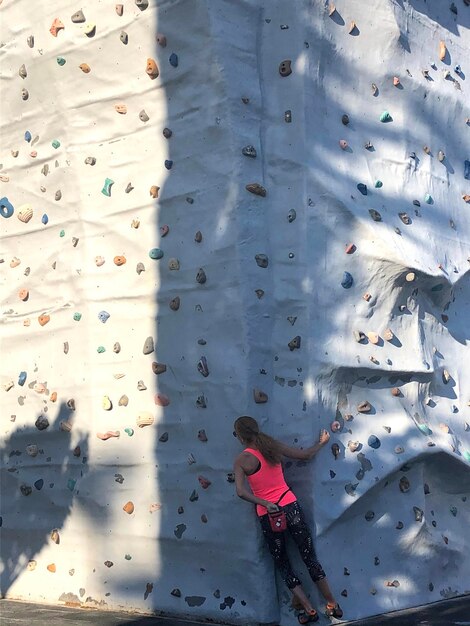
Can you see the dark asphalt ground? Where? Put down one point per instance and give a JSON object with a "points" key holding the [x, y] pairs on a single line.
{"points": [[454, 612]]}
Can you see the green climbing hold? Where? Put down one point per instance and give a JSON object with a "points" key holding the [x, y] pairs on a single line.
{"points": [[71, 484], [128, 557], [77, 317], [101, 349], [424, 428], [56, 144], [61, 60], [378, 184], [385, 117], [108, 183], [129, 431], [467, 455], [62, 233], [156, 253], [428, 198]]}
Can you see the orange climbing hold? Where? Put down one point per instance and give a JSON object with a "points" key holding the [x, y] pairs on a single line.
{"points": [[442, 50], [128, 507], [51, 568], [43, 319], [86, 69], [152, 68], [120, 260], [56, 26]]}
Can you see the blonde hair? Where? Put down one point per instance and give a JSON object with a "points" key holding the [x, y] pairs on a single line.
{"points": [[248, 430]]}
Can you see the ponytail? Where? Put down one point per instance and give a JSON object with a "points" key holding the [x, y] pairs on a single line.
{"points": [[247, 428]]}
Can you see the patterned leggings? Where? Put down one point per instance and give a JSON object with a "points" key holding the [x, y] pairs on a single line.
{"points": [[300, 532]]}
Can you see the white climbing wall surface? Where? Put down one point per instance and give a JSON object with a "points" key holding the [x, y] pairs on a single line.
{"points": [[203, 198]]}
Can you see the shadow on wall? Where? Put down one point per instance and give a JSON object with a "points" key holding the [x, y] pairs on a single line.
{"points": [[39, 474]]}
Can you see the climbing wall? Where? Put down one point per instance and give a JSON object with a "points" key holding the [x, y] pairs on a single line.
{"points": [[212, 208]]}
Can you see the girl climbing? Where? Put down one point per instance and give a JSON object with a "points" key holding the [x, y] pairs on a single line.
{"points": [[260, 463]]}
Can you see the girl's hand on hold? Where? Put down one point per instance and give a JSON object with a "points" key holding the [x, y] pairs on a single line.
{"points": [[324, 437]]}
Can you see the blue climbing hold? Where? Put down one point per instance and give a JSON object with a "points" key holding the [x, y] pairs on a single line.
{"points": [[27, 136], [22, 378], [44, 219], [424, 428], [71, 484], [39, 484], [108, 183], [428, 198], [168, 164], [103, 316], [173, 59], [6, 207], [362, 188], [156, 253], [385, 117], [347, 280], [466, 169], [374, 442]]}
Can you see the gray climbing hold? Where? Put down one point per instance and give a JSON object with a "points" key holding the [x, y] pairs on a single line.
{"points": [[345, 119], [201, 276], [24, 94], [42, 422], [30, 41], [22, 71], [140, 268], [90, 161], [175, 303], [117, 347], [149, 346], [262, 260], [202, 367], [78, 17], [141, 4], [294, 344], [249, 151], [291, 216], [103, 316], [143, 116], [124, 37], [256, 189], [419, 513]]}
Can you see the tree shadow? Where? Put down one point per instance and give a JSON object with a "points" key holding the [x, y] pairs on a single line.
{"points": [[41, 472]]}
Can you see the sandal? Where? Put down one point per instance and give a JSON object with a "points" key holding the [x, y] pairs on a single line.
{"points": [[334, 611], [306, 618]]}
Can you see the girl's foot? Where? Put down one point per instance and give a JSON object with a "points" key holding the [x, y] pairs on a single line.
{"points": [[305, 617], [334, 610]]}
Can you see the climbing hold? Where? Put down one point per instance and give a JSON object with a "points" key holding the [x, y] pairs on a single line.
{"points": [[173, 59], [201, 276], [164, 230], [291, 216], [24, 94], [55, 537], [144, 419], [428, 199], [404, 484], [129, 431], [86, 69], [152, 68], [103, 316], [141, 385], [249, 151], [375, 215], [396, 392], [56, 27], [161, 399], [43, 319], [119, 9], [343, 144], [419, 513], [347, 280], [108, 435], [442, 50], [259, 396], [22, 71], [364, 407], [396, 81], [285, 68], [120, 108], [42, 422], [108, 183], [123, 401], [22, 378], [335, 450], [378, 184], [106, 403], [354, 445], [288, 116], [350, 248], [161, 40], [369, 516], [294, 344], [201, 435], [149, 346], [374, 442], [155, 253], [335, 426], [61, 61], [404, 218], [198, 237], [6, 207], [30, 41], [262, 260], [353, 30], [385, 117], [167, 133], [78, 17], [90, 29], [373, 337], [128, 508], [362, 188], [141, 4], [154, 189], [202, 367], [345, 119], [175, 303], [158, 368], [256, 189], [27, 136], [204, 482]]}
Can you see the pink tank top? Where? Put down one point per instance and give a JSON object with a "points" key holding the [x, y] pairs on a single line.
{"points": [[268, 483]]}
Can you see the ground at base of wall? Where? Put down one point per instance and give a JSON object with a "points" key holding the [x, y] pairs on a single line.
{"points": [[453, 612]]}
